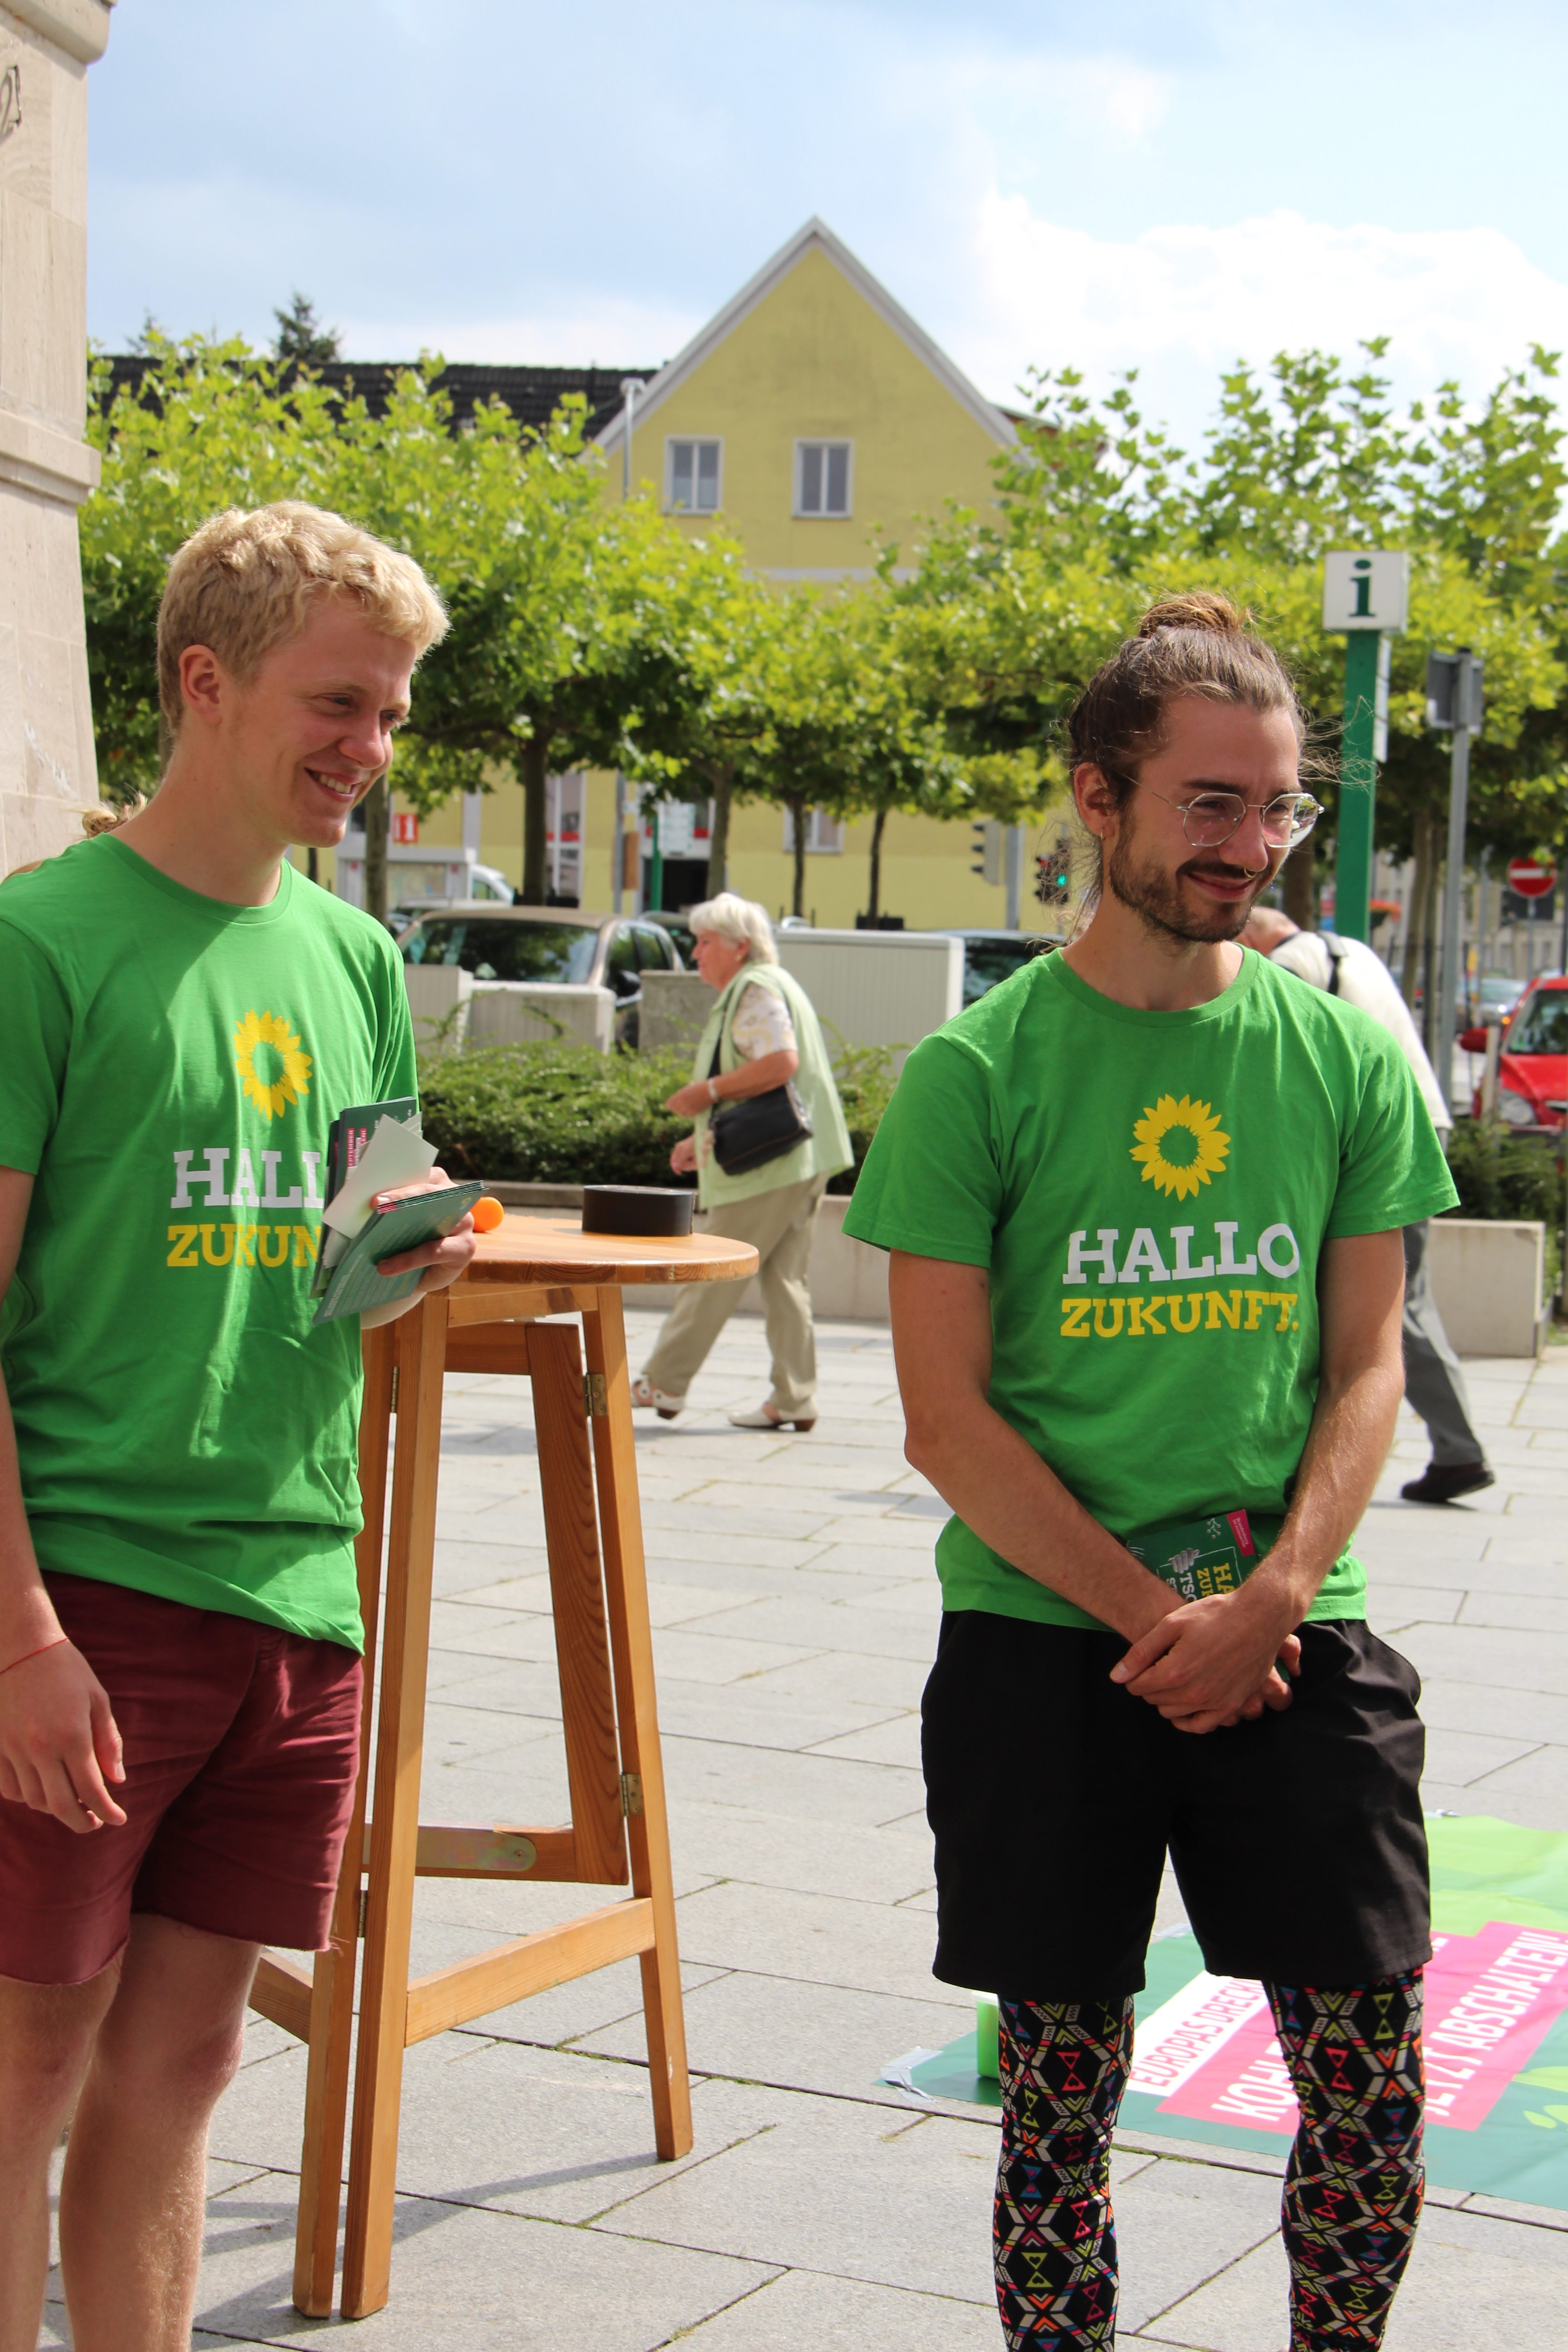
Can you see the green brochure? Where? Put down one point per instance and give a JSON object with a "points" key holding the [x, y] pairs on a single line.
{"points": [[425, 1216], [1199, 1556]]}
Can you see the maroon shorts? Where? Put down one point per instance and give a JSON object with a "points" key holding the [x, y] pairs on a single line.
{"points": [[241, 1746]]}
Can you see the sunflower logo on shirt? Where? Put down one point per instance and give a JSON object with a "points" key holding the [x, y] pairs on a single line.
{"points": [[273, 1069], [1181, 1145]]}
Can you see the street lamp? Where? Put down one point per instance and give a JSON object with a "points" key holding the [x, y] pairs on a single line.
{"points": [[1453, 702]]}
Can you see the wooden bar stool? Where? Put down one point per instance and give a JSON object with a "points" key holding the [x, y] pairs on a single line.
{"points": [[494, 1320]]}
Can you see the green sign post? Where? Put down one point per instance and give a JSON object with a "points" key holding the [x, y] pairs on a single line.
{"points": [[1367, 596]]}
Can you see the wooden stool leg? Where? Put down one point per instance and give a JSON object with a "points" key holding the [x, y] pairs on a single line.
{"points": [[631, 1644], [577, 1600], [333, 1987], [421, 1336]]}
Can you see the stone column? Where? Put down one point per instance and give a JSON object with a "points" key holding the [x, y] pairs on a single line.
{"points": [[47, 772]]}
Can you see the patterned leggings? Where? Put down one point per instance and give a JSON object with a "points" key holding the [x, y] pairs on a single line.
{"points": [[1352, 2190]]}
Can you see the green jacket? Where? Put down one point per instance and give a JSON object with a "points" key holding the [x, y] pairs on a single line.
{"points": [[827, 1149]]}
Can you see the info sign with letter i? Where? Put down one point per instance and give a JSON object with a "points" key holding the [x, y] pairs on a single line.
{"points": [[1367, 594]]}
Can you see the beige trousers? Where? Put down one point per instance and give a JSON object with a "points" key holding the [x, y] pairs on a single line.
{"points": [[779, 1226]]}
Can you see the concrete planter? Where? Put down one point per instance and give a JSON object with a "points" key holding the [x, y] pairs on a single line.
{"points": [[849, 1278], [451, 1007], [1487, 1276], [870, 988], [675, 1009]]}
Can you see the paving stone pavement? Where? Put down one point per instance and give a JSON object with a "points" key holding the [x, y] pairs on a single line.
{"points": [[796, 1609]]}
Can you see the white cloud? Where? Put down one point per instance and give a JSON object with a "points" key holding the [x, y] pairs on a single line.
{"points": [[1179, 303]]}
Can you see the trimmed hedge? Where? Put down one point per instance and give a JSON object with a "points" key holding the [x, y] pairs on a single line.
{"points": [[1501, 1175], [567, 1115]]}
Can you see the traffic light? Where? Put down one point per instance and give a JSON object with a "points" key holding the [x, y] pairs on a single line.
{"points": [[986, 846], [1053, 873]]}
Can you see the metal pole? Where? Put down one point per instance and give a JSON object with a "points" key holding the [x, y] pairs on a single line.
{"points": [[1013, 873], [1454, 886], [630, 385], [1358, 787]]}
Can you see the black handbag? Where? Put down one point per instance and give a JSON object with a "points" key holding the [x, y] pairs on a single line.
{"points": [[748, 1133]]}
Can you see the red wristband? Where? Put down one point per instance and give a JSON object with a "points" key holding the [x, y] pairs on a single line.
{"points": [[35, 1654]]}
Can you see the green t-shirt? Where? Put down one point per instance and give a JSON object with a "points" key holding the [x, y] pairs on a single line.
{"points": [[1151, 1193], [171, 1068]]}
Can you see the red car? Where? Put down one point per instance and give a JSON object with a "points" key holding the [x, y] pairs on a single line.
{"points": [[1532, 1068]]}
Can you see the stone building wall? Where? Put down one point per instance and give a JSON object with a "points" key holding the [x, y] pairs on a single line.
{"points": [[47, 772]]}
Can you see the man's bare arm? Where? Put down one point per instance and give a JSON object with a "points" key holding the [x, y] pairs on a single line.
{"points": [[1191, 1665], [994, 1480], [60, 1747]]}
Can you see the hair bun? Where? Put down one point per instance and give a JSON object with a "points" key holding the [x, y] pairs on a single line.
{"points": [[1199, 608]]}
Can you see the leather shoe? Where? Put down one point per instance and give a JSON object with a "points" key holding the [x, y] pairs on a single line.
{"points": [[666, 1407], [1446, 1482], [766, 1417]]}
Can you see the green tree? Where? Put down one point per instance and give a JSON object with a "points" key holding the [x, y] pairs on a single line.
{"points": [[302, 340], [703, 630], [1101, 512], [556, 655], [210, 426], [544, 581]]}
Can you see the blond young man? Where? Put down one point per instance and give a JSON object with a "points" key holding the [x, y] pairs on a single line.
{"points": [[179, 1629]]}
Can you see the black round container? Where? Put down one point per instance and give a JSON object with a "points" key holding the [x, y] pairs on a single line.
{"points": [[660, 1209]]}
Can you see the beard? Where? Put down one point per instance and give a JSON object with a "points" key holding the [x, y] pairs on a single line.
{"points": [[1156, 895]]}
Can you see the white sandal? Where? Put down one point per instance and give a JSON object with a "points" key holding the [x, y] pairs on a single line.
{"points": [[666, 1407]]}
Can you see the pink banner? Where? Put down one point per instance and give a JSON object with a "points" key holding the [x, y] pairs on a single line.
{"points": [[1489, 1999], [1210, 2052]]}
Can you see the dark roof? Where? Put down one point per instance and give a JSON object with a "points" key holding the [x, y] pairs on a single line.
{"points": [[532, 393]]}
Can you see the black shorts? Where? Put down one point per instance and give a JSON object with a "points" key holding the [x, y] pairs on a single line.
{"points": [[1298, 1841]]}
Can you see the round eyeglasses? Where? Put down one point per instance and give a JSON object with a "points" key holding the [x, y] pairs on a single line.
{"points": [[1210, 818]]}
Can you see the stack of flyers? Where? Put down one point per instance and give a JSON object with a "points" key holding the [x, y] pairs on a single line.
{"points": [[371, 1149], [355, 1284]]}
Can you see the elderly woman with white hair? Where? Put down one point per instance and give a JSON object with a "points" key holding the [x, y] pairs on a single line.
{"points": [[761, 1035]]}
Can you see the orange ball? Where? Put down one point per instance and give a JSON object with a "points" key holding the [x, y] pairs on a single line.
{"points": [[488, 1214]]}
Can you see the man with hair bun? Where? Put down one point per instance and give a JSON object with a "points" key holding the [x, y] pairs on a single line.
{"points": [[1145, 1204], [179, 1622]]}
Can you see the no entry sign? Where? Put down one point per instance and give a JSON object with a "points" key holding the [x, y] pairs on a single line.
{"points": [[1530, 880]]}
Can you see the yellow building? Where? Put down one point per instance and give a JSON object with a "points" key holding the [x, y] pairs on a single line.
{"points": [[817, 421]]}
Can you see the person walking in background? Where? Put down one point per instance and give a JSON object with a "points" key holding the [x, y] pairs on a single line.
{"points": [[763, 1033], [1434, 1383]]}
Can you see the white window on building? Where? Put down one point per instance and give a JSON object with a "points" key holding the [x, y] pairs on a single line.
{"points": [[822, 476], [824, 833], [693, 486]]}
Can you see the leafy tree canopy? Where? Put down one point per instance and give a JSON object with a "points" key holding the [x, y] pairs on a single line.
{"points": [[1101, 512], [588, 631]]}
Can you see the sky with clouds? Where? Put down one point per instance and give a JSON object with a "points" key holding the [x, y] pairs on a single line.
{"points": [[1159, 186]]}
